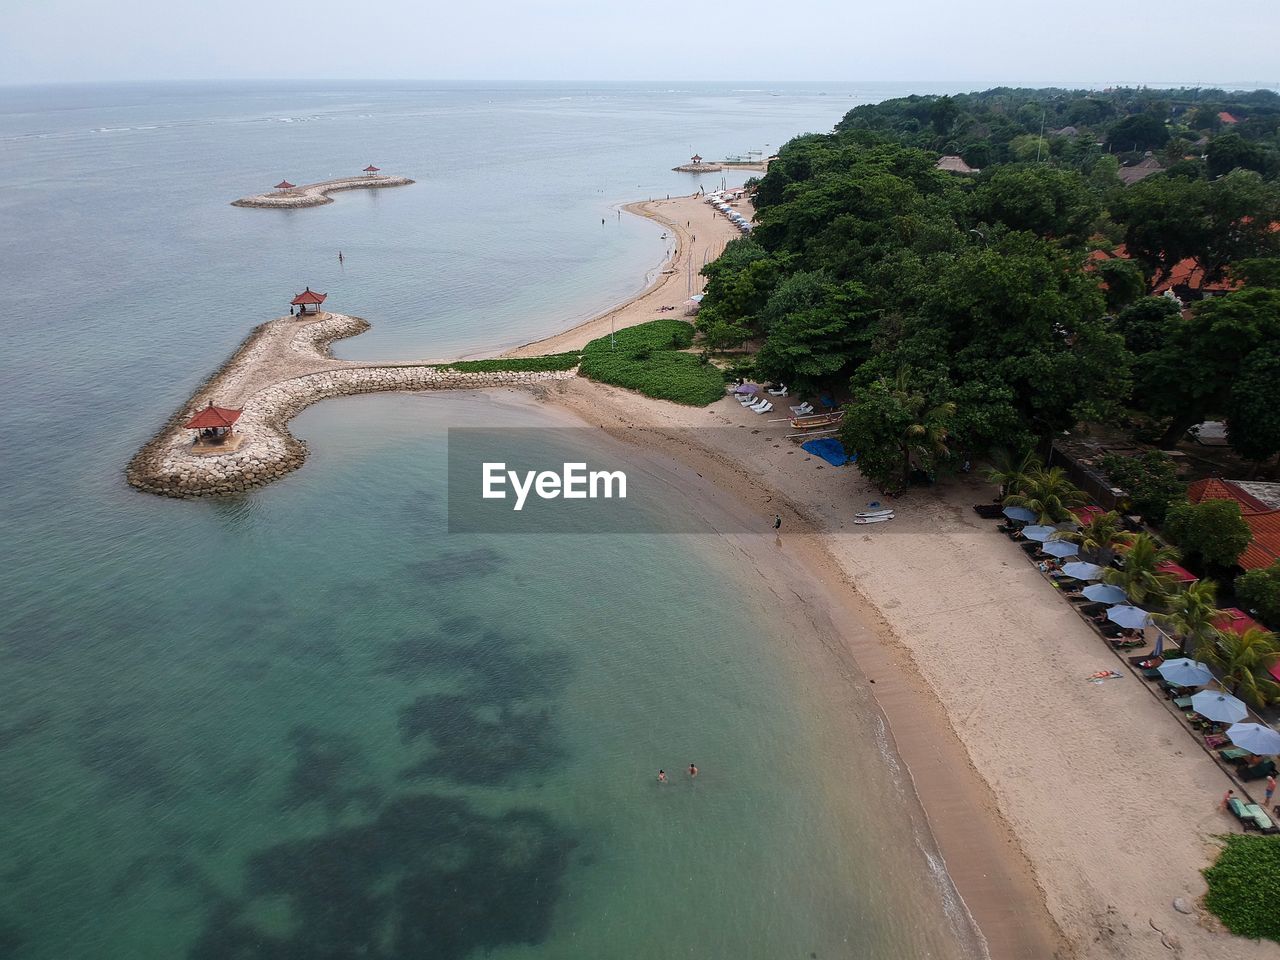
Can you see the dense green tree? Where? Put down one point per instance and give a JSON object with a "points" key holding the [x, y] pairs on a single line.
{"points": [[943, 115], [1193, 374], [1150, 479], [1259, 590], [815, 330], [1124, 284], [895, 424], [1138, 132], [1212, 532], [1258, 272], [1011, 469], [1230, 151], [1190, 614], [1147, 323], [1041, 199], [1253, 407]]}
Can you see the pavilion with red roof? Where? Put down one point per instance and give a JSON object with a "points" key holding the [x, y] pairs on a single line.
{"points": [[371, 170], [212, 425], [285, 185], [695, 159], [308, 302]]}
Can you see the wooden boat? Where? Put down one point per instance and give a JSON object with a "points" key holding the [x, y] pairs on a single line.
{"points": [[817, 421]]}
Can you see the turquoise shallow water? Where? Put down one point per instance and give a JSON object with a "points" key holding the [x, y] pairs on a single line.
{"points": [[308, 722]]}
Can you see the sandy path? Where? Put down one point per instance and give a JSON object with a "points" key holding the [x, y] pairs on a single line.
{"points": [[1103, 800], [689, 218]]}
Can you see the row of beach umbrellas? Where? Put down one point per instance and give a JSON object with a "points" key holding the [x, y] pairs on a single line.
{"points": [[1215, 705]]}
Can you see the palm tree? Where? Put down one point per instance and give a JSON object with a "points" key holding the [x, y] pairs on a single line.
{"points": [[926, 433], [1048, 493], [1100, 536], [1245, 660], [1140, 577], [1191, 613], [1010, 470]]}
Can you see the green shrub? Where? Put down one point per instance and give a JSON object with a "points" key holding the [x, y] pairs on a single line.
{"points": [[1260, 590], [1213, 531], [1151, 480], [554, 361], [1244, 886], [665, 374]]}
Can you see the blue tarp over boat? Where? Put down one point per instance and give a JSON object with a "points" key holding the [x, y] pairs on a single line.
{"points": [[829, 449]]}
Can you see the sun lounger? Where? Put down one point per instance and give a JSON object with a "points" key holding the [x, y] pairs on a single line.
{"points": [[764, 408], [780, 392], [1151, 673], [1256, 772], [1235, 755], [1182, 703], [1255, 814], [803, 410], [760, 402], [987, 511], [1127, 643]]}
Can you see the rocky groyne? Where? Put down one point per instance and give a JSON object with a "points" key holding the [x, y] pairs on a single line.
{"points": [[282, 367], [317, 194]]}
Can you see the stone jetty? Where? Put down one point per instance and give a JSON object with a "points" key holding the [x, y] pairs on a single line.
{"points": [[283, 366], [317, 194]]}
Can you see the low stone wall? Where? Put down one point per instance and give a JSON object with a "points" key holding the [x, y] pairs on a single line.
{"points": [[282, 367], [317, 194]]}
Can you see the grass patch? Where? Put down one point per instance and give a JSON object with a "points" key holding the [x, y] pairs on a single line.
{"points": [[654, 335], [1244, 886], [553, 361], [646, 358]]}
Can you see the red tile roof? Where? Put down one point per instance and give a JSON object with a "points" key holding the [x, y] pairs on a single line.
{"points": [[1179, 574], [1264, 522], [371, 169], [308, 297], [284, 185], [1226, 117], [1236, 620], [212, 416]]}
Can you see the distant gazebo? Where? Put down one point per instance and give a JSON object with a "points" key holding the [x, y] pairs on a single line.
{"points": [[308, 302], [285, 185], [371, 171], [695, 159], [212, 425]]}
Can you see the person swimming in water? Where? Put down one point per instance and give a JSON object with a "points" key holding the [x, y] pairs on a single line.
{"points": [[693, 770], [662, 776]]}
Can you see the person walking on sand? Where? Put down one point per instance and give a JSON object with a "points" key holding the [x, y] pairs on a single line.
{"points": [[777, 522], [1271, 787], [1226, 798], [693, 771], [662, 776]]}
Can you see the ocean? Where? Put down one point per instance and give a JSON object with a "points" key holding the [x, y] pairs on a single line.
{"points": [[308, 722]]}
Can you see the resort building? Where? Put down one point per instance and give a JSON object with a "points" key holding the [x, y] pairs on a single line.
{"points": [[954, 164], [1140, 170]]}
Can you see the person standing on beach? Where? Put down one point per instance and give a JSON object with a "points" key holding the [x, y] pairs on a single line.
{"points": [[1271, 787], [777, 522]]}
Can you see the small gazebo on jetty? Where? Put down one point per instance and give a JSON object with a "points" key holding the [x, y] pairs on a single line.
{"points": [[308, 302], [213, 427], [371, 171], [285, 185]]}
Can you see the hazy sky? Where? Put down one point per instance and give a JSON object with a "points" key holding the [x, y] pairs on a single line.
{"points": [[1011, 40]]}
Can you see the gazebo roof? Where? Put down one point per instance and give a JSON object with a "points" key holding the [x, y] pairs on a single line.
{"points": [[285, 185], [308, 298], [212, 416], [696, 158], [371, 169]]}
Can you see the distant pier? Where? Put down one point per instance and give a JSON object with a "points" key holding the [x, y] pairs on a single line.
{"points": [[287, 196]]}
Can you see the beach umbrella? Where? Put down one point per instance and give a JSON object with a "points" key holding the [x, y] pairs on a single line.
{"points": [[1256, 738], [1103, 593], [1185, 673], [1039, 532], [747, 388], [1060, 548], [1081, 570], [1218, 706], [1021, 514], [1129, 617]]}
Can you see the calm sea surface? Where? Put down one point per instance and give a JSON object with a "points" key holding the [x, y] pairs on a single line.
{"points": [[308, 723]]}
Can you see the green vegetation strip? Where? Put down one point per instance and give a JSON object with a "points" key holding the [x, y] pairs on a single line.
{"points": [[554, 361], [1244, 886], [647, 358]]}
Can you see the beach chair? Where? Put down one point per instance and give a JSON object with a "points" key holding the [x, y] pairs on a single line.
{"points": [[1234, 755], [765, 408], [757, 403], [1257, 771], [1258, 817], [781, 391], [803, 410], [1182, 703]]}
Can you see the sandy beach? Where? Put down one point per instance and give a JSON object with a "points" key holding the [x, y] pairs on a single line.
{"points": [[1070, 814], [701, 234]]}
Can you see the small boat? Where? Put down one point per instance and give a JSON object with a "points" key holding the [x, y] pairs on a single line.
{"points": [[866, 515], [872, 519], [816, 421]]}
